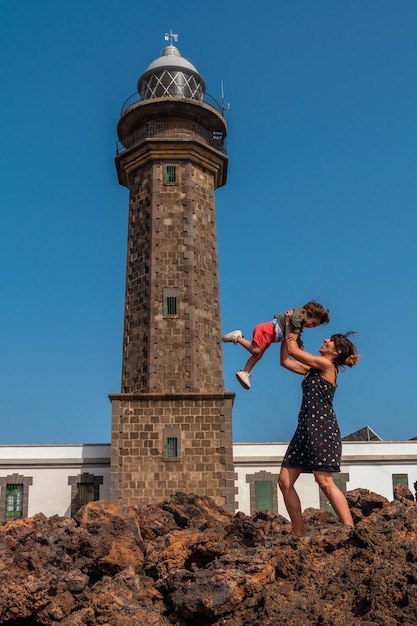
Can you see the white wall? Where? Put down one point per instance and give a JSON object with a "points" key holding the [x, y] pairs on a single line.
{"points": [[50, 466], [370, 465]]}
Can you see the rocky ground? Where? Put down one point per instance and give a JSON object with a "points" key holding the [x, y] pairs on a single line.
{"points": [[186, 561]]}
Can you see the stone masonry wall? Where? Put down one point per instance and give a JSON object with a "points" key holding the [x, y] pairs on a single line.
{"points": [[140, 470], [172, 246], [135, 360]]}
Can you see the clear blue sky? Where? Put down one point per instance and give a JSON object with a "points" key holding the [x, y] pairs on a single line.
{"points": [[320, 202]]}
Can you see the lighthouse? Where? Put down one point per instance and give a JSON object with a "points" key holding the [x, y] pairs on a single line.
{"points": [[172, 420]]}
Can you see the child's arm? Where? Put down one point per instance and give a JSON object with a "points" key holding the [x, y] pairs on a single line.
{"points": [[295, 328], [296, 320]]}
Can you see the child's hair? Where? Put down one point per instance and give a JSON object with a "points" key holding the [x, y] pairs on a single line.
{"points": [[314, 309], [348, 354]]}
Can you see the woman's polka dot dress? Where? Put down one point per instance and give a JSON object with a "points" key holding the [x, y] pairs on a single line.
{"points": [[316, 444]]}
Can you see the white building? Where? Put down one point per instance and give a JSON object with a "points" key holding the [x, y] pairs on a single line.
{"points": [[374, 465], [52, 479], [58, 479]]}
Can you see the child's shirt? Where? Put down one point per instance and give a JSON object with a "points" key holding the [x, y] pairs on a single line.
{"points": [[296, 321]]}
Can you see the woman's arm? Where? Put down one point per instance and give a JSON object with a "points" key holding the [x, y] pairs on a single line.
{"points": [[311, 360], [323, 364], [290, 364]]}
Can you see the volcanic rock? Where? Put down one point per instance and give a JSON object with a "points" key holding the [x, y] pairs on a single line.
{"points": [[186, 562]]}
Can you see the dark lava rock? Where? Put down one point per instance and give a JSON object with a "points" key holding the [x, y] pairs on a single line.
{"points": [[188, 562]]}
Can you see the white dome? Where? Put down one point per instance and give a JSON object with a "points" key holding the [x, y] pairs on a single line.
{"points": [[171, 57]]}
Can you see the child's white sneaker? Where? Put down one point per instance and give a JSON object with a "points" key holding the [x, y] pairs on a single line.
{"points": [[243, 378], [233, 336]]}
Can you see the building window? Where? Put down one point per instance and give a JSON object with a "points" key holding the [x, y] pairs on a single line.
{"points": [[171, 303], [263, 495], [14, 501], [399, 479], [84, 488], [171, 444], [170, 173], [86, 492], [14, 498]]}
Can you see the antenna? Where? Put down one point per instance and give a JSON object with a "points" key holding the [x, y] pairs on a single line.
{"points": [[171, 37], [227, 106]]}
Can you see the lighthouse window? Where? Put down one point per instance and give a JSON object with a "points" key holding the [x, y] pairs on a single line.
{"points": [[171, 303], [172, 447], [171, 444], [171, 174]]}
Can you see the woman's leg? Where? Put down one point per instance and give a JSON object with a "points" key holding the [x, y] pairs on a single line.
{"points": [[287, 478], [336, 497]]}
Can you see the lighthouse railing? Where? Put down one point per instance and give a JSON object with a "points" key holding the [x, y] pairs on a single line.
{"points": [[135, 98], [172, 130]]}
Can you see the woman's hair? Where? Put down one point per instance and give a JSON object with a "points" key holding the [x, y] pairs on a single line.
{"points": [[348, 354], [317, 310]]}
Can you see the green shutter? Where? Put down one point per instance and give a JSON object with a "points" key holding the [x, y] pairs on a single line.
{"points": [[171, 305], [170, 174], [263, 495], [14, 501], [172, 447], [400, 479], [85, 493]]}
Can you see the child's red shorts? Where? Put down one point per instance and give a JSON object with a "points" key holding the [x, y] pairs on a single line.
{"points": [[264, 334]]}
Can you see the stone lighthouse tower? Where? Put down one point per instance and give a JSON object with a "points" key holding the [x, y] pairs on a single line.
{"points": [[172, 421]]}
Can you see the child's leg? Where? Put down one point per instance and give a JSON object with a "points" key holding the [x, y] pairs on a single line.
{"points": [[252, 361], [243, 376], [255, 351], [263, 336], [250, 346]]}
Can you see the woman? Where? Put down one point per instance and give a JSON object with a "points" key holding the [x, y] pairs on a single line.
{"points": [[316, 445]]}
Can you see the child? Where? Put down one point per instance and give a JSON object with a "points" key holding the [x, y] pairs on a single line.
{"points": [[310, 315]]}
